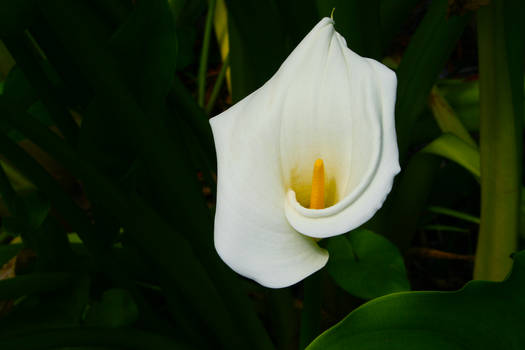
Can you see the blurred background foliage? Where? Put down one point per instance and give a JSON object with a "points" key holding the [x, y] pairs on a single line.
{"points": [[107, 177]]}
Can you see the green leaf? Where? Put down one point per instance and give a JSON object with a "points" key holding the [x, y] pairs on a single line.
{"points": [[457, 150], [252, 62], [17, 89], [445, 228], [29, 284], [366, 264], [446, 118], [116, 309], [423, 60], [358, 22], [454, 214], [9, 251], [394, 13], [122, 338], [482, 315], [31, 60], [146, 50], [16, 15], [30, 211]]}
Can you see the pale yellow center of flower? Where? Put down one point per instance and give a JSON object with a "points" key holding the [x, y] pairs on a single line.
{"points": [[317, 194]]}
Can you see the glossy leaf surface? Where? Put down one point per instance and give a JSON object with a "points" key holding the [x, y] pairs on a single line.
{"points": [[482, 315], [366, 264]]}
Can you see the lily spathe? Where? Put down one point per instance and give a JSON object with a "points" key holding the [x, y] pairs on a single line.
{"points": [[326, 106]]}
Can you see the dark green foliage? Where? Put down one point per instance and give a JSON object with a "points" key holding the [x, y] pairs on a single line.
{"points": [[366, 265], [99, 114], [482, 315]]}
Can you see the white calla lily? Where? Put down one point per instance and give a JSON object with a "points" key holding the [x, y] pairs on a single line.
{"points": [[325, 102]]}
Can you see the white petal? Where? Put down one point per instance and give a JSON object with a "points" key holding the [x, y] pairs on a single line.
{"points": [[324, 102], [252, 234], [342, 111]]}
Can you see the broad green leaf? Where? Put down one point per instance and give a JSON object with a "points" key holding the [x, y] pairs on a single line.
{"points": [[457, 150], [366, 264], [446, 118], [116, 309], [482, 315], [423, 60]]}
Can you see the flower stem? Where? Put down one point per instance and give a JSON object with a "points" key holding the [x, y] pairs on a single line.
{"points": [[201, 78], [499, 147], [310, 316]]}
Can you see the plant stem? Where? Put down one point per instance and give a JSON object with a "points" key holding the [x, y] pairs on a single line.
{"points": [[218, 85], [201, 79], [499, 148], [310, 316]]}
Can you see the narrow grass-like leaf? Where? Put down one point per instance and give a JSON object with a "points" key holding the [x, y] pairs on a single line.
{"points": [[30, 284], [203, 63], [9, 251], [445, 228], [454, 214], [159, 151], [18, 46], [218, 85], [446, 118]]}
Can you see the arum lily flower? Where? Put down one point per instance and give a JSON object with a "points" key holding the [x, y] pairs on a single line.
{"points": [[311, 154]]}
